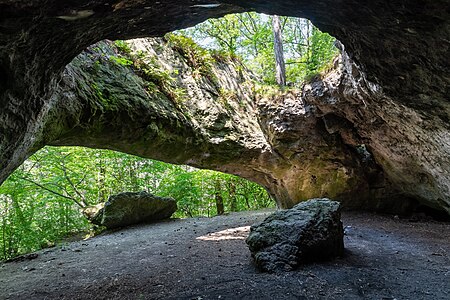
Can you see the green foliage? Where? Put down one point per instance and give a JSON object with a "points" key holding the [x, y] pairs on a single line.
{"points": [[30, 218], [227, 96], [41, 202], [195, 191], [107, 102], [121, 61], [307, 50], [223, 56], [151, 71], [197, 57], [317, 58], [158, 79], [225, 31], [122, 46]]}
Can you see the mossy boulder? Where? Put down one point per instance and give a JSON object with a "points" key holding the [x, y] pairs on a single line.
{"points": [[310, 231], [132, 208]]}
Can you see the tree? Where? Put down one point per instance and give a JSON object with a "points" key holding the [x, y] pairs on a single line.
{"points": [[280, 69], [224, 32], [306, 50], [42, 201], [219, 198]]}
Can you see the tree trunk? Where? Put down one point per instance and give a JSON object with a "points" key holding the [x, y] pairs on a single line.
{"points": [[308, 41], [233, 200], [219, 199], [280, 69], [102, 195]]}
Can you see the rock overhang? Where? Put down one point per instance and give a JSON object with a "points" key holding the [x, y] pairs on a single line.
{"points": [[401, 46]]}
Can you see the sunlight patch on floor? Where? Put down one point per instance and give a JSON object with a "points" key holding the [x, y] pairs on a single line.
{"points": [[237, 233]]}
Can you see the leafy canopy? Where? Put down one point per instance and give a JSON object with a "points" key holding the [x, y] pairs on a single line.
{"points": [[307, 50]]}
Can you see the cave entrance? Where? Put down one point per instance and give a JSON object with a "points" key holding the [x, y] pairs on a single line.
{"points": [[41, 201], [164, 115], [267, 43]]}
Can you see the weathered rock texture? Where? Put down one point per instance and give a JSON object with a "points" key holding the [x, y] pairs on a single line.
{"points": [[133, 208], [310, 231], [390, 100], [412, 147], [207, 115]]}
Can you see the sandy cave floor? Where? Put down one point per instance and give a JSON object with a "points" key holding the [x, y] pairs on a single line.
{"points": [[386, 258]]}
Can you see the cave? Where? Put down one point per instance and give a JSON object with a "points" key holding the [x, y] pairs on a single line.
{"points": [[373, 134], [395, 57]]}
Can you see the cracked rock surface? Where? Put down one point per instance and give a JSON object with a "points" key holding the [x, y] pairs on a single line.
{"points": [[310, 231]]}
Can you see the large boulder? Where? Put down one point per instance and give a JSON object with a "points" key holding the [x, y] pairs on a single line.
{"points": [[310, 231], [132, 208]]}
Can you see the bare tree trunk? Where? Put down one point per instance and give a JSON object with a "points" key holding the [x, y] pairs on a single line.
{"points": [[134, 182], [102, 195], [280, 68], [219, 198], [233, 200], [308, 41]]}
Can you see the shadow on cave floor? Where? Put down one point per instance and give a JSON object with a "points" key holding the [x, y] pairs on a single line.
{"points": [[386, 258]]}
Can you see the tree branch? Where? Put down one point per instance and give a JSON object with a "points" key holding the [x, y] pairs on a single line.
{"points": [[52, 191], [70, 181]]}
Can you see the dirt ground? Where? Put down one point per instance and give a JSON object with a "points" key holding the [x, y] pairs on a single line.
{"points": [[386, 258]]}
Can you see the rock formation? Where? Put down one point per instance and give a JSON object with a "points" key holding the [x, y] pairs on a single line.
{"points": [[133, 208], [387, 102], [207, 114], [310, 231]]}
